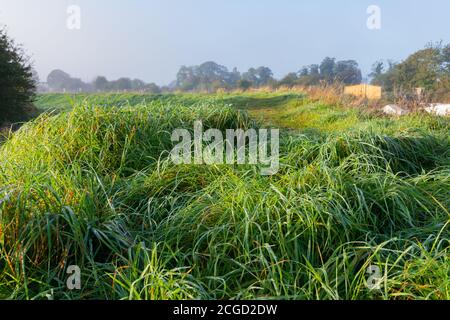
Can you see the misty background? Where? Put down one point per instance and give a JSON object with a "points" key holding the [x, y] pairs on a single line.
{"points": [[151, 39]]}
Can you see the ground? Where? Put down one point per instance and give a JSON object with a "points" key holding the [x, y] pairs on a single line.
{"points": [[89, 183]]}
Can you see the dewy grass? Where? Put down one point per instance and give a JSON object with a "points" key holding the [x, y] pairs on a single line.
{"points": [[94, 187]]}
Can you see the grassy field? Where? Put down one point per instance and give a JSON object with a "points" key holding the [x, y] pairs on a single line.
{"points": [[89, 183]]}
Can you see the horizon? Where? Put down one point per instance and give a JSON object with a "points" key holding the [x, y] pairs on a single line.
{"points": [[151, 40]]}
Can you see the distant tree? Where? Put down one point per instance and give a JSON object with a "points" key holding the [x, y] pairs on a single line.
{"points": [[152, 88], [123, 84], [327, 69], [377, 69], [446, 58], [421, 69], [347, 72], [314, 70], [244, 84], [428, 68], [17, 86], [289, 80], [304, 72], [58, 80], [250, 76], [207, 76], [265, 76], [381, 74], [137, 85], [186, 78], [76, 85], [233, 78], [101, 83], [309, 76], [212, 75], [259, 77]]}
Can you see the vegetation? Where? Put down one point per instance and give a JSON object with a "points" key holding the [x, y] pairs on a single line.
{"points": [[60, 81], [211, 77], [428, 69], [328, 72], [93, 186], [16, 81]]}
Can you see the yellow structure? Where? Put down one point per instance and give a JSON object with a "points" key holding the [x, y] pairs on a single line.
{"points": [[364, 90]]}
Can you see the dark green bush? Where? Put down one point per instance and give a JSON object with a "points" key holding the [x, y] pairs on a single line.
{"points": [[17, 86]]}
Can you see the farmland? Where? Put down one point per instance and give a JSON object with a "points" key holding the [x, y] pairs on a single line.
{"points": [[90, 183]]}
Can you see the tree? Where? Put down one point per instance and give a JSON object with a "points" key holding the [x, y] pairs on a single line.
{"points": [[381, 74], [289, 80], [446, 58], [244, 84], [122, 84], [264, 75], [418, 70], [137, 85], [186, 78], [314, 70], [35, 77], [212, 76], [17, 86], [327, 69], [428, 68], [207, 76], [152, 88], [250, 76], [259, 77], [101, 83], [58, 79], [377, 70], [309, 76], [233, 78], [347, 72], [304, 72]]}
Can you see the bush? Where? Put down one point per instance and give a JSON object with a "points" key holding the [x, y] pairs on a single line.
{"points": [[17, 86]]}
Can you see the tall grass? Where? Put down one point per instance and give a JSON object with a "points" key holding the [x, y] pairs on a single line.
{"points": [[94, 187]]}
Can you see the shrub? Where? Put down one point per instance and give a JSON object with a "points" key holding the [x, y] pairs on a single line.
{"points": [[17, 86]]}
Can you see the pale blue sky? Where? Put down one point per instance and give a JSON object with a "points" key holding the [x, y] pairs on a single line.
{"points": [[151, 39]]}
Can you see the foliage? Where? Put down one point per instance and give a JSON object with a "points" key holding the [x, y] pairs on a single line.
{"points": [[329, 71], [93, 187], [59, 80], [427, 68], [17, 85], [211, 76]]}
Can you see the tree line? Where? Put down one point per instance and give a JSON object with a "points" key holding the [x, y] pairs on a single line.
{"points": [[428, 69], [60, 81], [211, 76]]}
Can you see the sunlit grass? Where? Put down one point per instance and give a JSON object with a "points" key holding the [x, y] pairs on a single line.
{"points": [[93, 187]]}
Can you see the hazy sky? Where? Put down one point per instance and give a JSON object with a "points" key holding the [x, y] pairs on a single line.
{"points": [[151, 39]]}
